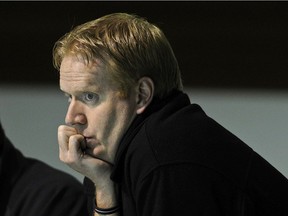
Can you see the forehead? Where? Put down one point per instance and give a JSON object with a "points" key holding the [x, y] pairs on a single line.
{"points": [[76, 74]]}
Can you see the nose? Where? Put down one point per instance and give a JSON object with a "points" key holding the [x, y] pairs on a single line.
{"points": [[75, 114]]}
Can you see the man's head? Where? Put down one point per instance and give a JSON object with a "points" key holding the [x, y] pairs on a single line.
{"points": [[111, 68], [128, 47]]}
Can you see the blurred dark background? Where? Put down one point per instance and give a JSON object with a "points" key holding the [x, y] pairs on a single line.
{"points": [[229, 44]]}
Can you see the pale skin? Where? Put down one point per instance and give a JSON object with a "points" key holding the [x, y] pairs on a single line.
{"points": [[96, 120]]}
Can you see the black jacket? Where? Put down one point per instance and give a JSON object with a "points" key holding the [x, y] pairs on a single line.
{"points": [[175, 160], [29, 187]]}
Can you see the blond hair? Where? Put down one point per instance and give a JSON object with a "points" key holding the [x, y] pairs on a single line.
{"points": [[128, 46]]}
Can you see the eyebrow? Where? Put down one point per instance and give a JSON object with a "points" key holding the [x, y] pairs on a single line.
{"points": [[96, 90]]}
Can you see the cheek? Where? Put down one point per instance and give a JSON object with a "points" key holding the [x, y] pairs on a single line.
{"points": [[94, 119], [110, 122], [115, 124], [102, 120]]}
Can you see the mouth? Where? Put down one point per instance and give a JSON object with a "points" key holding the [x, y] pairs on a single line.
{"points": [[87, 147], [90, 145], [86, 144], [87, 138], [90, 141]]}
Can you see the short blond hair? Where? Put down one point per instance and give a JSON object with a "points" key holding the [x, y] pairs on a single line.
{"points": [[128, 46]]}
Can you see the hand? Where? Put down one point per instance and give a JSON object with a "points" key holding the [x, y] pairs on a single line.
{"points": [[72, 147]]}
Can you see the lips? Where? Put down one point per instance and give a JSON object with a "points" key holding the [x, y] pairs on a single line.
{"points": [[87, 139], [88, 145], [90, 142], [86, 136]]}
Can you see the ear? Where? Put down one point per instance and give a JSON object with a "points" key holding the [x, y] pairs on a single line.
{"points": [[145, 93]]}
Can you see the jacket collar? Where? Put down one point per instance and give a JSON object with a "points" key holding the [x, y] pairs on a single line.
{"points": [[136, 125]]}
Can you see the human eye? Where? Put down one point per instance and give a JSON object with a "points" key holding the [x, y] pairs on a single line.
{"points": [[89, 97]]}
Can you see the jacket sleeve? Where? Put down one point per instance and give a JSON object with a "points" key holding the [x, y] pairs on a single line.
{"points": [[44, 191]]}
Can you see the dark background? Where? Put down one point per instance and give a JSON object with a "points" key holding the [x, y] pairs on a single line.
{"points": [[218, 44]]}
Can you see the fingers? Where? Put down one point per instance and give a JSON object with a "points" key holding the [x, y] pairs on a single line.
{"points": [[64, 133], [71, 144], [76, 145], [72, 147]]}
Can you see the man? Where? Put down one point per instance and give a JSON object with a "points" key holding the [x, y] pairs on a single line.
{"points": [[30, 187], [144, 148]]}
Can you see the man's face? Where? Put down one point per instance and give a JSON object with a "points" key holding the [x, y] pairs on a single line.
{"points": [[95, 108]]}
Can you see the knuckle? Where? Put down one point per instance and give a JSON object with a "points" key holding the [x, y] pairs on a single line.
{"points": [[73, 140], [61, 128]]}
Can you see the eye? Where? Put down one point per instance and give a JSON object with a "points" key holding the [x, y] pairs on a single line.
{"points": [[90, 97]]}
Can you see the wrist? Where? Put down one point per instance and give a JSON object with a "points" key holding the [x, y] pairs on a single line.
{"points": [[106, 199], [106, 196], [105, 211]]}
